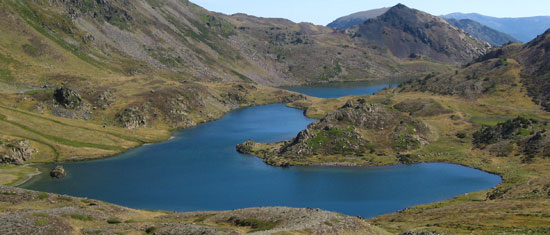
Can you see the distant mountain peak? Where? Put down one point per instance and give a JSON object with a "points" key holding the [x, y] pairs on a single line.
{"points": [[400, 6], [410, 33], [351, 20]]}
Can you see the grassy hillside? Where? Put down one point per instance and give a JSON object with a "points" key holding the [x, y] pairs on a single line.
{"points": [[46, 42]]}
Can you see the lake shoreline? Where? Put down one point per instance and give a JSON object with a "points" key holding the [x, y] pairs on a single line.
{"points": [[131, 156]]}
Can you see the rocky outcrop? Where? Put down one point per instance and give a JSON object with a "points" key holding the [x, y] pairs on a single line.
{"points": [[68, 103], [58, 172], [246, 147], [354, 130], [527, 138], [16, 152], [131, 118], [67, 97]]}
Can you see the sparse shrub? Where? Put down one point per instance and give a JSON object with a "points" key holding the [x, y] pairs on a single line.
{"points": [[41, 222], [114, 221], [82, 217], [43, 196], [200, 219], [150, 230], [502, 62], [40, 214], [255, 224], [461, 135], [63, 198]]}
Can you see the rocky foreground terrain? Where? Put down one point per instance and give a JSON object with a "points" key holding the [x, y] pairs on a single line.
{"points": [[29, 212]]}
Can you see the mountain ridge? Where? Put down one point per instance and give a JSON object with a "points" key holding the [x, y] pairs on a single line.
{"points": [[482, 32], [183, 41], [524, 29], [410, 33], [528, 63], [351, 20]]}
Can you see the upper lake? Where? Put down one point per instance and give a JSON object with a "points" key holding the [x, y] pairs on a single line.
{"points": [[340, 89], [199, 169]]}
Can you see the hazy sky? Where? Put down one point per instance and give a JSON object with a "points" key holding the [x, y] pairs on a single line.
{"points": [[325, 11]]}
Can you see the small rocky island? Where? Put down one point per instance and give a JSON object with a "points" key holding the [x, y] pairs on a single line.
{"points": [[58, 172]]}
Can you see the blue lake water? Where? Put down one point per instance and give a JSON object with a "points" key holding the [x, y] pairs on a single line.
{"points": [[200, 170], [340, 89]]}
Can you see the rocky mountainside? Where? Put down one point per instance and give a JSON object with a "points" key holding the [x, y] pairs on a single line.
{"points": [[354, 19], [410, 33], [524, 29], [535, 59], [54, 41], [482, 32], [502, 69]]}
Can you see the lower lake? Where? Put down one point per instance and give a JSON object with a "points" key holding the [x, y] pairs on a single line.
{"points": [[199, 169]]}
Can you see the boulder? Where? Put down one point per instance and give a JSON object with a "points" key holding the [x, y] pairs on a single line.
{"points": [[58, 172]]}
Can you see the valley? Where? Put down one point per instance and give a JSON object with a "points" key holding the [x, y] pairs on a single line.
{"points": [[155, 105]]}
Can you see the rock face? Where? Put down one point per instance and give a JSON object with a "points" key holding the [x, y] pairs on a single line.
{"points": [[410, 33], [16, 152], [67, 97], [131, 118], [58, 172]]}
